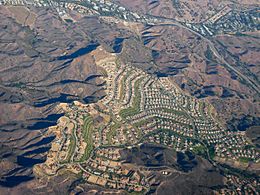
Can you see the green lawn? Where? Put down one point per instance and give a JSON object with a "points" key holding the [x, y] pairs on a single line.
{"points": [[199, 149], [245, 160], [211, 152], [175, 121], [122, 85], [136, 102], [136, 193], [176, 112], [87, 134], [112, 131], [72, 145], [201, 110], [142, 122]]}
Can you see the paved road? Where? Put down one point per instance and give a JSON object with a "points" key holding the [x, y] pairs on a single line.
{"points": [[164, 21]]}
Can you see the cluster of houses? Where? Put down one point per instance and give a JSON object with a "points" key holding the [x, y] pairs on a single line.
{"points": [[156, 112], [74, 139], [228, 20], [169, 139], [110, 77], [237, 185], [69, 144], [236, 147], [162, 114], [110, 153], [162, 106], [102, 8], [219, 15], [112, 174]]}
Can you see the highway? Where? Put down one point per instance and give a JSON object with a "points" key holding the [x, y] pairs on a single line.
{"points": [[163, 21]]}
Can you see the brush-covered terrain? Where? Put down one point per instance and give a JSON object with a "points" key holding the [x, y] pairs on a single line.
{"points": [[173, 85]]}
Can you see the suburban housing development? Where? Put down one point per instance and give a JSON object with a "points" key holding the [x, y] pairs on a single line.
{"points": [[138, 108], [129, 97]]}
